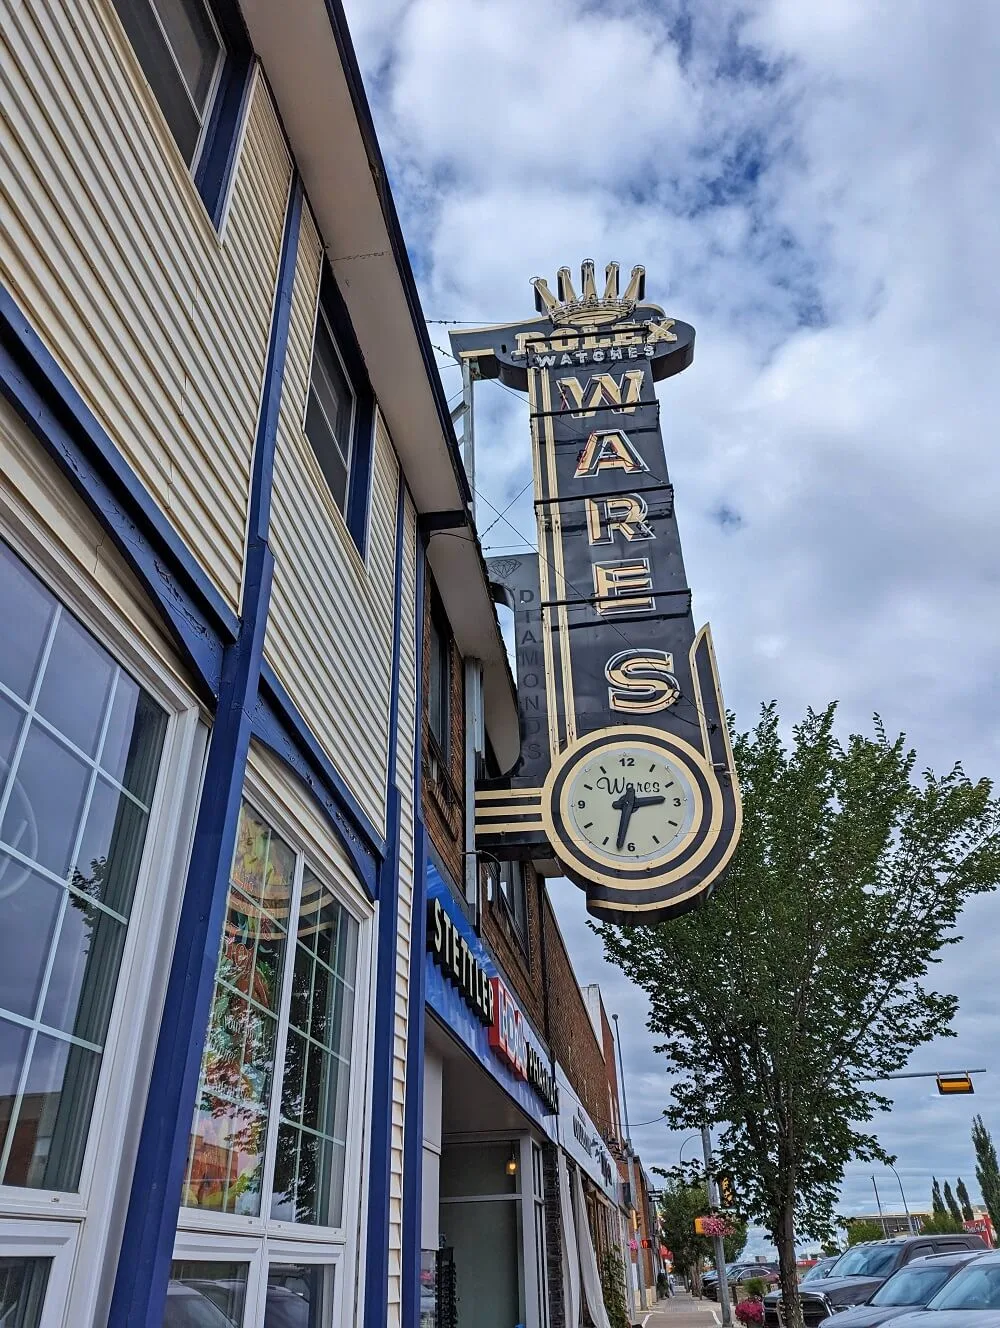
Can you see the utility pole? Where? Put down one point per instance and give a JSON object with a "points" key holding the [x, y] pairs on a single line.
{"points": [[621, 1081], [717, 1241]]}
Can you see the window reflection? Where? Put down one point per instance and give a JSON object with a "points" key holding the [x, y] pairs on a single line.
{"points": [[296, 1295], [225, 1164], [74, 813], [204, 1294]]}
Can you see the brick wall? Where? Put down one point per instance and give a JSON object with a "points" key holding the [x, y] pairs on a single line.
{"points": [[443, 799], [570, 1032]]}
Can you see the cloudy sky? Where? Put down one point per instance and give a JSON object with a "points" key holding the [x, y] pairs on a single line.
{"points": [[815, 188]]}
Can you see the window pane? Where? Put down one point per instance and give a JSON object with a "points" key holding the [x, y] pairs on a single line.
{"points": [[193, 42], [329, 413], [14, 1041], [226, 1154], [328, 454], [309, 1174], [28, 609], [47, 796], [22, 1291], [206, 1295], [62, 824], [77, 685], [297, 1295], [46, 1147]]}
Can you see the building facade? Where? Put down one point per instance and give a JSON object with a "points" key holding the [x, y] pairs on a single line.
{"points": [[223, 443]]}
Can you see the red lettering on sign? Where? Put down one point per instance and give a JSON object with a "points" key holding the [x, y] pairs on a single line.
{"points": [[507, 1036]]}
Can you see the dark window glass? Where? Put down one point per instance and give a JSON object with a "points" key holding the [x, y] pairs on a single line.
{"points": [[206, 1295], [71, 843], [22, 1291], [911, 1286], [180, 53], [330, 412], [513, 890], [975, 1288], [868, 1261], [297, 1295], [439, 701]]}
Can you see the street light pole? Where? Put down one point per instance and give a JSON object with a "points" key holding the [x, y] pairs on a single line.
{"points": [[911, 1226], [717, 1241], [881, 1216]]}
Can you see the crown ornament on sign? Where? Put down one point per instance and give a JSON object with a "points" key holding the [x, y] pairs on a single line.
{"points": [[589, 309]]}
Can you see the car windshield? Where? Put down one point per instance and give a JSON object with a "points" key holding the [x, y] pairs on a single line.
{"points": [[911, 1286], [818, 1270], [975, 1288], [868, 1261]]}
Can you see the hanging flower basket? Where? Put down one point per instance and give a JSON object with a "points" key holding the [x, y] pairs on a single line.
{"points": [[716, 1226]]}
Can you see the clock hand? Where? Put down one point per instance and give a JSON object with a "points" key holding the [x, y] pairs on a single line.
{"points": [[648, 802], [626, 805]]}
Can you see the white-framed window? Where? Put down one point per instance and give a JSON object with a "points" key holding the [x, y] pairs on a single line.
{"points": [[273, 1172], [80, 749], [36, 1260], [330, 409], [99, 774], [221, 1282], [181, 51]]}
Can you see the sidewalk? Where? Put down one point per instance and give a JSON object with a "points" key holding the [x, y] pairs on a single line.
{"points": [[682, 1311]]}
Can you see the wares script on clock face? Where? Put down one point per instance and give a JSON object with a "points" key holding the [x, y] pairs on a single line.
{"points": [[633, 804]]}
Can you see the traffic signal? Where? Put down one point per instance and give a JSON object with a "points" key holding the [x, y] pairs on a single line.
{"points": [[699, 1226], [954, 1083]]}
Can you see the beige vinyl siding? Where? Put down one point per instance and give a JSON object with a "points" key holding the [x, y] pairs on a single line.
{"points": [[405, 757], [159, 324], [329, 632], [34, 492]]}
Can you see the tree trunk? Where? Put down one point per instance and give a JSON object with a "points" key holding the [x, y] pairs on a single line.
{"points": [[785, 1241]]}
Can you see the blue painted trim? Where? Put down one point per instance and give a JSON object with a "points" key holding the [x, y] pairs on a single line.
{"points": [[380, 1143], [299, 735], [34, 384], [143, 1270], [413, 1118], [229, 110]]}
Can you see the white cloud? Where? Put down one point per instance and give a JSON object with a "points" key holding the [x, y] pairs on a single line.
{"points": [[814, 187]]}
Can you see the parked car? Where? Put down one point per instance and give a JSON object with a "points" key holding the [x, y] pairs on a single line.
{"points": [[740, 1275], [188, 1308], [910, 1287], [971, 1299], [821, 1269], [862, 1270]]}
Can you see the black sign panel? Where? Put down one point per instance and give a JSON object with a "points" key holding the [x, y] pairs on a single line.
{"points": [[632, 783]]}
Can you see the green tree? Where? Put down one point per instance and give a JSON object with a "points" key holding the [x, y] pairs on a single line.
{"points": [[987, 1169], [952, 1203], [941, 1224], [937, 1203], [962, 1194], [857, 1231], [802, 980]]}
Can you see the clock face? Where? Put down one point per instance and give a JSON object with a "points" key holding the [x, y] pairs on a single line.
{"points": [[631, 803]]}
